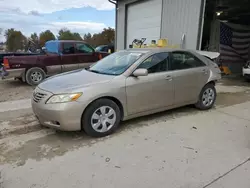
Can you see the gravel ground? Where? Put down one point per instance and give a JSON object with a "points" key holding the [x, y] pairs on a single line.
{"points": [[180, 148], [14, 90]]}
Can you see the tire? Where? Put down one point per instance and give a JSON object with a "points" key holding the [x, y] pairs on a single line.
{"points": [[35, 76], [92, 116], [247, 78], [207, 97]]}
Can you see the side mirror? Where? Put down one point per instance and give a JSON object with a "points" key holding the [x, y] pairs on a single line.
{"points": [[140, 72]]}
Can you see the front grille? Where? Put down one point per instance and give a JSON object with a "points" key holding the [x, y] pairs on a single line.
{"points": [[38, 96]]}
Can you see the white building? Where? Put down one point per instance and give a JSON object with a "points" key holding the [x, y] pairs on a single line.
{"points": [[193, 24]]}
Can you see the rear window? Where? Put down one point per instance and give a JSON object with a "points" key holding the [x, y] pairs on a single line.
{"points": [[51, 47]]}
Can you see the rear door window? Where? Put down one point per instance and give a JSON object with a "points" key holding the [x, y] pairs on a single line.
{"points": [[184, 60]]}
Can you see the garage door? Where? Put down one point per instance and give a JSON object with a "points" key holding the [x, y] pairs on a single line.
{"points": [[144, 21]]}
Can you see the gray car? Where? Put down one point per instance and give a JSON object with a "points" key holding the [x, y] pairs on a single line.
{"points": [[125, 85]]}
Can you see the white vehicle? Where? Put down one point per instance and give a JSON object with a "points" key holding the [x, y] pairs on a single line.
{"points": [[246, 71]]}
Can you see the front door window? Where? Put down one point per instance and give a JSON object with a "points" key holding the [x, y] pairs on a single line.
{"points": [[154, 91], [156, 63]]}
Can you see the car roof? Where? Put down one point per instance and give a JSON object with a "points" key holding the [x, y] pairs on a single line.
{"points": [[210, 54], [157, 49], [153, 50], [66, 41]]}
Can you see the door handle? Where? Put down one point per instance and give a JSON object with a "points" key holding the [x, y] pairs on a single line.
{"points": [[169, 78]]}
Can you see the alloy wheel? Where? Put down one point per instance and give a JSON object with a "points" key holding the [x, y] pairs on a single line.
{"points": [[208, 97], [103, 119]]}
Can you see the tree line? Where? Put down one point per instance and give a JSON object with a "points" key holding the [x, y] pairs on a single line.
{"points": [[16, 40]]}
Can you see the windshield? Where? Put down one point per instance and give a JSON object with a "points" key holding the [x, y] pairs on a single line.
{"points": [[51, 47], [116, 64]]}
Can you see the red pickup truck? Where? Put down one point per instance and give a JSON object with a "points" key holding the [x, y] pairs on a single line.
{"points": [[59, 56]]}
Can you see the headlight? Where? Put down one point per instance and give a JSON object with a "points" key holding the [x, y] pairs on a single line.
{"points": [[61, 98]]}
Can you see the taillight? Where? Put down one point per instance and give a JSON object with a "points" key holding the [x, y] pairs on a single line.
{"points": [[6, 63], [100, 56]]}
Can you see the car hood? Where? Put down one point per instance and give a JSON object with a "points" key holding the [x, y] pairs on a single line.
{"points": [[70, 81]]}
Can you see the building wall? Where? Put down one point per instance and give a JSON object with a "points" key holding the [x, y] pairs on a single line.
{"points": [[121, 23], [178, 17], [182, 17], [143, 22]]}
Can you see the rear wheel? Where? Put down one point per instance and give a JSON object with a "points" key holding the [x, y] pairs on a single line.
{"points": [[101, 118], [35, 76], [207, 97]]}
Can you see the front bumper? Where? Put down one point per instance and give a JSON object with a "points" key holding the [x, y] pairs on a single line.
{"points": [[62, 116], [15, 73]]}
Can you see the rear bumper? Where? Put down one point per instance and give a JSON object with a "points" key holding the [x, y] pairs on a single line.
{"points": [[15, 73]]}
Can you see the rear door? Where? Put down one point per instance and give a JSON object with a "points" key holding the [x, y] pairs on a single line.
{"points": [[190, 75], [69, 57], [86, 55]]}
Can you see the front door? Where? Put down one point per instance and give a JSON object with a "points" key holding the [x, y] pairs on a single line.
{"points": [[85, 55], [151, 92], [68, 57], [190, 75]]}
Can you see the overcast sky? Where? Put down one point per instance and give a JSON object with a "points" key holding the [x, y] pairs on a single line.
{"points": [[38, 15]]}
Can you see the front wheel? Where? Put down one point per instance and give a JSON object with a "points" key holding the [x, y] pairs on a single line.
{"points": [[207, 97], [101, 118]]}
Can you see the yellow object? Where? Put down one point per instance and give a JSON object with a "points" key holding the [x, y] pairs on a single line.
{"points": [[152, 46], [225, 70], [175, 46], [109, 51], [162, 42], [136, 46]]}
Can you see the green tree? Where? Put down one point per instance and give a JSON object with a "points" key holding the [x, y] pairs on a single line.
{"points": [[108, 35], [33, 42], [46, 36], [66, 34], [87, 37], [15, 40], [77, 36], [35, 39]]}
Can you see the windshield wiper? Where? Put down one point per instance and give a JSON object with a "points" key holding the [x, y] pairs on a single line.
{"points": [[99, 72], [95, 71]]}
